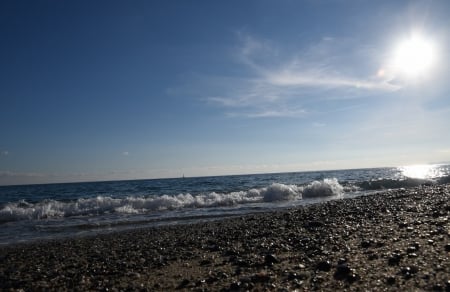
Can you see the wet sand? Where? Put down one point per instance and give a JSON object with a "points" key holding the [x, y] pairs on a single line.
{"points": [[396, 241]]}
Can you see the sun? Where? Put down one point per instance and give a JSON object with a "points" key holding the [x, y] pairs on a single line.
{"points": [[413, 57]]}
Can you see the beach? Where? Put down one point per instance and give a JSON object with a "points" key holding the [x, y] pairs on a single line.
{"points": [[396, 240]]}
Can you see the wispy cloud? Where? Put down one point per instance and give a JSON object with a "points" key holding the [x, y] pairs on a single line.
{"points": [[125, 153], [4, 174], [4, 152], [299, 78], [279, 80], [319, 125], [270, 113]]}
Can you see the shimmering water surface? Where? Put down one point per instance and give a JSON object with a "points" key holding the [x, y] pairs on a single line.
{"points": [[59, 210]]}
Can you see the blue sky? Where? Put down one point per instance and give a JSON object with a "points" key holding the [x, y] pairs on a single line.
{"points": [[100, 90]]}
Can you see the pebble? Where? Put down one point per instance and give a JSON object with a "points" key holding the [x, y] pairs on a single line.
{"points": [[390, 280], [271, 259], [281, 251], [342, 271], [324, 266], [447, 247]]}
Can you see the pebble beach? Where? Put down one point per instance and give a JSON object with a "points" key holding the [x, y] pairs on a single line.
{"points": [[397, 240]]}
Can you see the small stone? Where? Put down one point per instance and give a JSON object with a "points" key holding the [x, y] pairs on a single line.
{"points": [[447, 247], [373, 256], [261, 278], [353, 276], [394, 259], [408, 272], [270, 259], [235, 286], [390, 280], [365, 244], [411, 249], [324, 266], [292, 276], [183, 283], [205, 262], [438, 287], [403, 224], [342, 271]]}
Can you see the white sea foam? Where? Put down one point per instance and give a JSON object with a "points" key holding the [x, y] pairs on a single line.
{"points": [[281, 192], [326, 188], [23, 210]]}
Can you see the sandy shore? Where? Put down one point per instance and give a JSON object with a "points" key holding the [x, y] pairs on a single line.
{"points": [[396, 241]]}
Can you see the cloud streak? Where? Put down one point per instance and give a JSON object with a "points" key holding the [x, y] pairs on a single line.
{"points": [[279, 83]]}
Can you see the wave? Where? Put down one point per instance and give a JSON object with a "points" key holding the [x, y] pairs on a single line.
{"points": [[48, 209], [326, 188], [395, 183]]}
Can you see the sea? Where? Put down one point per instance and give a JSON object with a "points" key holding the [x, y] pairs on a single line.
{"points": [[53, 211]]}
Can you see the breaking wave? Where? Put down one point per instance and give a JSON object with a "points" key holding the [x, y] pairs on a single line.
{"points": [[47, 209], [326, 188]]}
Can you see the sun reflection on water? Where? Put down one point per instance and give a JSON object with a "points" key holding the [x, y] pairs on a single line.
{"points": [[422, 171]]}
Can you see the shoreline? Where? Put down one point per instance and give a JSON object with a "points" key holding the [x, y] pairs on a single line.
{"points": [[398, 240]]}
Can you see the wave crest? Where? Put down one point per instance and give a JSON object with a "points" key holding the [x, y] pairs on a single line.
{"points": [[281, 192], [326, 188], [22, 210]]}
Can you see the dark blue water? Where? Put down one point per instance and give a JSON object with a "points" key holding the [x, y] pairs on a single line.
{"points": [[58, 210]]}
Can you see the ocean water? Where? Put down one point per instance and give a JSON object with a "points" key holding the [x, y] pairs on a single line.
{"points": [[33, 212]]}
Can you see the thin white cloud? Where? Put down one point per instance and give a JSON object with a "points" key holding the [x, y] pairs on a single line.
{"points": [[319, 125], [271, 113], [281, 81], [307, 79], [4, 152], [125, 153]]}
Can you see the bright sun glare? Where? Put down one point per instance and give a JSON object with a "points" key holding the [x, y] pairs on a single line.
{"points": [[414, 56]]}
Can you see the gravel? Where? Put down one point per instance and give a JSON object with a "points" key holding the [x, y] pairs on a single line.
{"points": [[397, 240]]}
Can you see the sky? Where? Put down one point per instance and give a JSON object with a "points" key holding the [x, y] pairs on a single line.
{"points": [[106, 90]]}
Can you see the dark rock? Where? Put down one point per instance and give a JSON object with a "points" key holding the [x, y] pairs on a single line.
{"points": [[408, 272], [365, 244], [271, 259], [313, 224], [403, 224], [235, 286], [342, 271], [372, 256], [394, 259], [205, 262], [411, 249], [238, 271], [324, 266], [353, 276], [212, 279], [292, 276], [447, 247], [183, 284], [390, 280], [261, 278]]}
